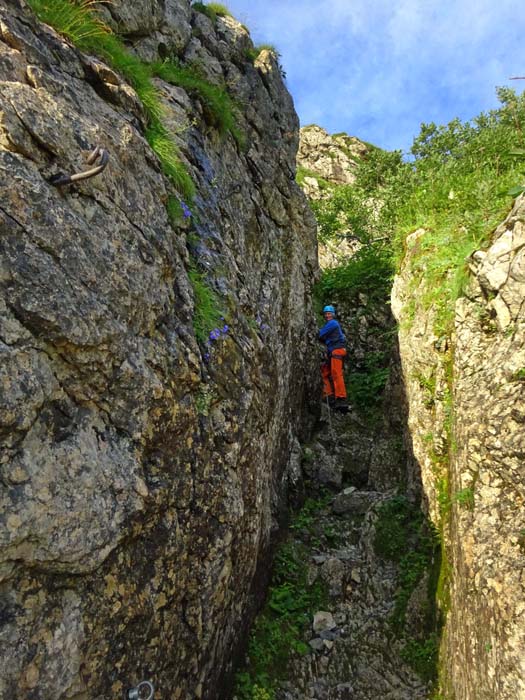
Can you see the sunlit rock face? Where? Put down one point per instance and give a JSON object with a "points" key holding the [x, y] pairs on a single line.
{"points": [[332, 157], [483, 649], [328, 161], [139, 481]]}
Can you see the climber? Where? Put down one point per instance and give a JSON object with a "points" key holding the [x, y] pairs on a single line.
{"points": [[334, 390]]}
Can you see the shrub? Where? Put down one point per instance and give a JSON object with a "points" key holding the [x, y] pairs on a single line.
{"points": [[279, 628], [368, 271]]}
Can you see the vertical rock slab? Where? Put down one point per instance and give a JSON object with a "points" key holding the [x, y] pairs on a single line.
{"points": [[140, 480], [483, 649]]}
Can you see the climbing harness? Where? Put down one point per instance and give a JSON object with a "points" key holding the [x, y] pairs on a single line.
{"points": [[60, 179], [143, 691]]}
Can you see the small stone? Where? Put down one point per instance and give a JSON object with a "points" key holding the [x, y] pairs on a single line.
{"points": [[328, 635], [317, 644], [355, 576], [323, 621]]}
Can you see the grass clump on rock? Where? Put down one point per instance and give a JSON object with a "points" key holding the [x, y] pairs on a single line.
{"points": [[219, 108], [213, 10], [79, 23]]}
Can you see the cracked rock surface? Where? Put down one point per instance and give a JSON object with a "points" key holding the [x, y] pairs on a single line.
{"points": [[139, 485], [483, 653]]}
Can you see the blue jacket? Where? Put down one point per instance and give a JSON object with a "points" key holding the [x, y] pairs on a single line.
{"points": [[332, 335]]}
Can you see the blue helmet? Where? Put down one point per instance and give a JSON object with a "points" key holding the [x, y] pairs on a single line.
{"points": [[329, 308]]}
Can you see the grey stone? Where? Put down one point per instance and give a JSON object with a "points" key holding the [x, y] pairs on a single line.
{"points": [[487, 350], [354, 502], [317, 644], [323, 621]]}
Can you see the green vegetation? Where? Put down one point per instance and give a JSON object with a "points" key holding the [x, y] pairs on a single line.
{"points": [[404, 535], [204, 400], [302, 173], [519, 375], [253, 54], [304, 520], [465, 498], [369, 272], [365, 386], [74, 20], [278, 630], [207, 310], [455, 190], [79, 23], [162, 143], [218, 106], [422, 656], [213, 10]]}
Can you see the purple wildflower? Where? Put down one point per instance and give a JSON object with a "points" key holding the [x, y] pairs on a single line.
{"points": [[215, 334], [186, 211], [206, 357], [225, 328]]}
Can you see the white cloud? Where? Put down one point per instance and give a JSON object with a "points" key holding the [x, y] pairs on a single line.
{"points": [[384, 67]]}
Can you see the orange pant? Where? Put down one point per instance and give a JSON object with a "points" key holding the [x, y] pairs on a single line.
{"points": [[332, 373]]}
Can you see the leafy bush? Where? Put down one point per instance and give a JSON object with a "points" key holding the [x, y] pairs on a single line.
{"points": [[365, 388], [279, 628], [369, 271], [422, 656], [455, 188]]}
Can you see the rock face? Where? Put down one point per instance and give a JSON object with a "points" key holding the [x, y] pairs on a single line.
{"points": [[331, 157], [329, 161], [140, 481], [482, 514]]}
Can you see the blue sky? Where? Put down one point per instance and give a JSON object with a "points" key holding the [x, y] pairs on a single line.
{"points": [[377, 69]]}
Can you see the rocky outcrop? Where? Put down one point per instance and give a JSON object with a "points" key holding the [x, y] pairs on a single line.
{"points": [[473, 474], [326, 161], [141, 472], [332, 157]]}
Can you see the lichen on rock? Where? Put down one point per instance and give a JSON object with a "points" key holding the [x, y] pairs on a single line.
{"points": [[135, 524]]}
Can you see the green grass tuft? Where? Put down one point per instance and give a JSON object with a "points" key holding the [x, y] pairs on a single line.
{"points": [[79, 23], [213, 10], [162, 143], [219, 9], [76, 21], [207, 310], [219, 108], [253, 53]]}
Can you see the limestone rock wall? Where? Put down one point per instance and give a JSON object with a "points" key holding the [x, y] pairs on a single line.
{"points": [[481, 511], [330, 161], [330, 156], [139, 479]]}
